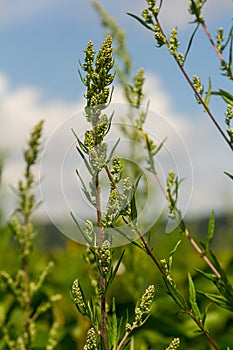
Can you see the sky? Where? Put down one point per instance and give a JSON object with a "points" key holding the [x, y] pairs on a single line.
{"points": [[41, 45]]}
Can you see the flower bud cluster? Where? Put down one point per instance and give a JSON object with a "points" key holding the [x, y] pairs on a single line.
{"points": [[143, 307], [229, 116], [159, 36], [220, 39], [91, 343], [104, 258], [173, 46], [78, 298], [98, 78], [97, 158], [174, 344], [198, 86]]}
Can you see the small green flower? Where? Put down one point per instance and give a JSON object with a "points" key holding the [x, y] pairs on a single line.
{"points": [[174, 43], [104, 258], [174, 344], [91, 343], [159, 37], [143, 306], [220, 39], [78, 297]]}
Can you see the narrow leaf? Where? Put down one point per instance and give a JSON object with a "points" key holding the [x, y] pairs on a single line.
{"points": [[84, 188], [113, 150], [208, 94], [176, 296], [190, 41], [160, 146], [114, 325], [211, 228], [84, 159], [114, 270], [81, 145], [175, 248], [210, 276], [228, 38], [219, 300], [192, 299], [140, 20], [227, 97], [228, 174], [80, 229]]}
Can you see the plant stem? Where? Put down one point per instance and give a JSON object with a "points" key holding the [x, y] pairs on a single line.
{"points": [[204, 26], [194, 89], [123, 340], [149, 252], [198, 323], [102, 279], [198, 249]]}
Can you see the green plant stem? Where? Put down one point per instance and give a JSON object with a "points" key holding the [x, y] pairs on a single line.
{"points": [[198, 323], [151, 255], [102, 279], [195, 91]]}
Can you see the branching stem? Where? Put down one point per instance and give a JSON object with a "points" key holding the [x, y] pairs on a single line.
{"points": [[197, 94]]}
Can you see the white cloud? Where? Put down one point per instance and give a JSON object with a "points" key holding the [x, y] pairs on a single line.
{"points": [[22, 108]]}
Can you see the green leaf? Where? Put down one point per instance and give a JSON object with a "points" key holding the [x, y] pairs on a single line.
{"points": [[192, 299], [190, 41], [160, 146], [114, 326], [81, 145], [227, 97], [219, 300], [80, 229], [133, 205], [113, 150], [228, 38], [211, 228], [210, 276], [176, 296], [175, 248], [228, 174], [114, 270], [84, 188], [140, 20], [207, 98]]}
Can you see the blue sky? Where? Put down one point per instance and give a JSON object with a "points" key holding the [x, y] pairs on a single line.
{"points": [[41, 43]]}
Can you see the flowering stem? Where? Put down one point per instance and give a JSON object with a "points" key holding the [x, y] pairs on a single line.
{"points": [[194, 89]]}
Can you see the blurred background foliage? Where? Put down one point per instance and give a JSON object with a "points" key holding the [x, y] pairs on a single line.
{"points": [[135, 274]]}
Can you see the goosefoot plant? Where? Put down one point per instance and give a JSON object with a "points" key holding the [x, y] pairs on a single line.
{"points": [[106, 331], [24, 291], [134, 95]]}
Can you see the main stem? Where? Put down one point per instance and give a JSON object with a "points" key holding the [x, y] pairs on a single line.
{"points": [[102, 279]]}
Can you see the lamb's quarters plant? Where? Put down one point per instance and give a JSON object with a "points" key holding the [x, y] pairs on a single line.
{"points": [[106, 331], [150, 19], [24, 294]]}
